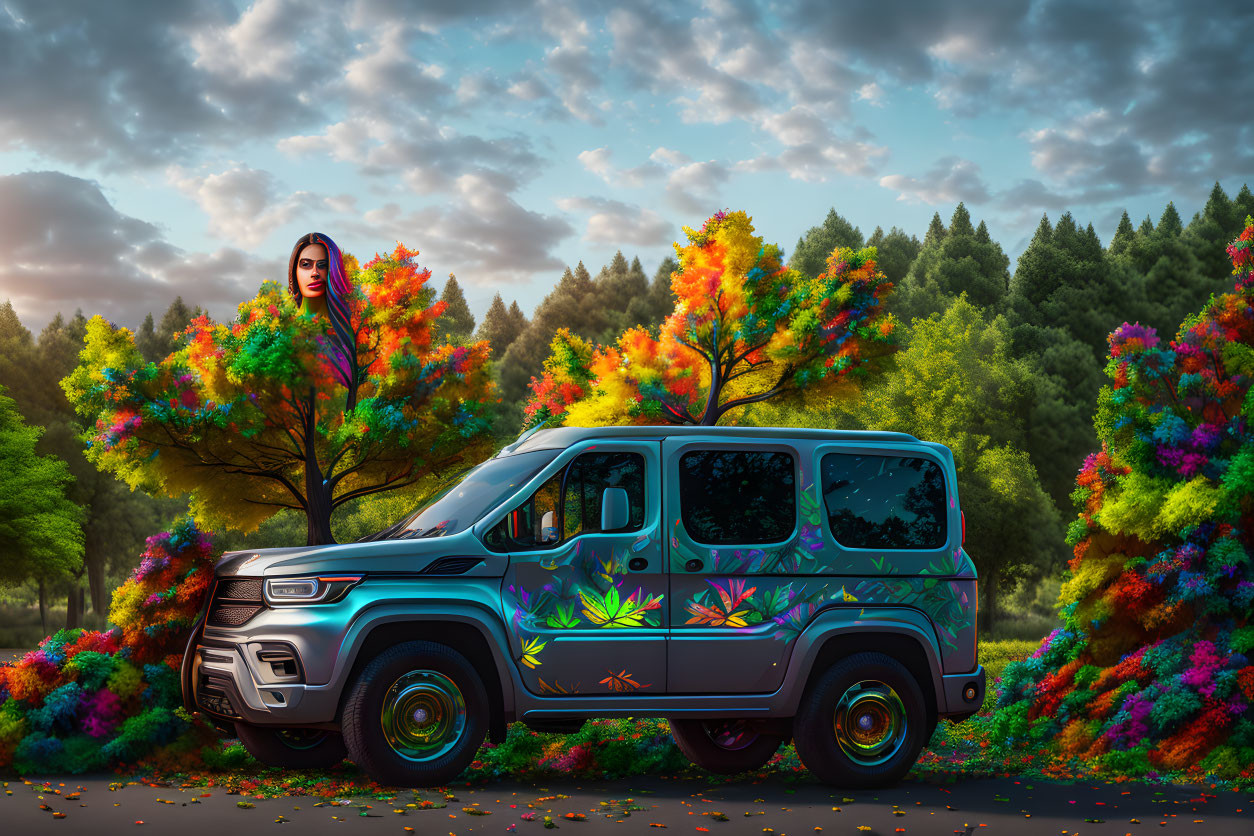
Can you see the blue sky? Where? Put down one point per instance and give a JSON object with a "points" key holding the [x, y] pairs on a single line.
{"points": [[153, 149]]}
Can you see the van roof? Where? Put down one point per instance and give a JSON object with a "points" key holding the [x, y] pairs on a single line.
{"points": [[562, 437]]}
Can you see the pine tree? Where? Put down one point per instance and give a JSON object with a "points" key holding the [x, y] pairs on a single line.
{"points": [[456, 321], [1210, 232], [1169, 223], [571, 304], [954, 263], [1124, 236], [1175, 281], [617, 285], [517, 318], [498, 327], [896, 251], [146, 340], [981, 233], [935, 230], [813, 248]]}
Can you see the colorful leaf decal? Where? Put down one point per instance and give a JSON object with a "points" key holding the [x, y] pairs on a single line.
{"points": [[622, 681], [530, 650]]}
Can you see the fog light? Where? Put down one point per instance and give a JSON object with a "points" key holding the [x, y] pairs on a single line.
{"points": [[968, 693]]}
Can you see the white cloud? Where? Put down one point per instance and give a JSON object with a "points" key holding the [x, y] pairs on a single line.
{"points": [[482, 234], [617, 223], [244, 204], [951, 179], [694, 188], [68, 248]]}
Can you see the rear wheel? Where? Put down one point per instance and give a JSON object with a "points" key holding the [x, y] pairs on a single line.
{"points": [[862, 723], [415, 715], [292, 748], [725, 746]]}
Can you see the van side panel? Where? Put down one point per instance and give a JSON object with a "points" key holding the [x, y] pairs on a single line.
{"points": [[763, 597]]}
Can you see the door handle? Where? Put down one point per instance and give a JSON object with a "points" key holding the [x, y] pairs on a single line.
{"points": [[694, 565], [638, 564]]}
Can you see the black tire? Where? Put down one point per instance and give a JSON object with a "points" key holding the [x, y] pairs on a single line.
{"points": [[883, 725], [726, 747], [401, 748], [292, 748]]}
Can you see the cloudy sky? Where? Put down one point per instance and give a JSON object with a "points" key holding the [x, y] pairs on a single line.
{"points": [[149, 148]]}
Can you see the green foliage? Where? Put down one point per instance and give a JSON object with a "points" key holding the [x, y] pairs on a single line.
{"points": [[956, 384], [952, 264], [896, 251], [813, 248], [457, 322], [500, 327], [39, 526]]}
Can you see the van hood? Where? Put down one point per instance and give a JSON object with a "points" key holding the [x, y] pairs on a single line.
{"points": [[377, 556]]}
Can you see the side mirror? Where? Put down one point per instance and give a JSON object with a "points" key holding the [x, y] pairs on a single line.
{"points": [[548, 527], [615, 510]]}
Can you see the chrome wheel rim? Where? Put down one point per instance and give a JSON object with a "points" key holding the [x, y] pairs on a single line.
{"points": [[729, 734], [870, 722], [424, 715], [301, 739]]}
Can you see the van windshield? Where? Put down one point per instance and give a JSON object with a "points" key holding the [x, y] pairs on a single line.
{"points": [[469, 496]]}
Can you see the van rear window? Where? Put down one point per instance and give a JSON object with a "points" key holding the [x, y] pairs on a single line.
{"points": [[740, 497], [884, 502]]}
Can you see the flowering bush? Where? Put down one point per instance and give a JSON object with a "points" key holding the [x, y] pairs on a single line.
{"points": [[87, 700], [1150, 671]]}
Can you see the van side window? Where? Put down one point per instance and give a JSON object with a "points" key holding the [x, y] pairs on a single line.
{"points": [[884, 502], [737, 496], [549, 517], [586, 480]]}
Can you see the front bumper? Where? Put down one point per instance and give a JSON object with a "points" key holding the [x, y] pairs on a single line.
{"points": [[959, 703], [228, 682]]}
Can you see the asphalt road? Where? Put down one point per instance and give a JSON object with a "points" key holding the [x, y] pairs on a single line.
{"points": [[646, 806]]}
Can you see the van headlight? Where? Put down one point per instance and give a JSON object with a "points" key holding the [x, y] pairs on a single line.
{"points": [[323, 589]]}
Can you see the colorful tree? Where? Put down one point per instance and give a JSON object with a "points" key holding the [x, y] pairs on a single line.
{"points": [[566, 379], [277, 410], [86, 700], [1151, 669], [745, 329]]}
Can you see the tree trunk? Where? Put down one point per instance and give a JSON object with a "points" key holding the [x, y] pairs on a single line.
{"points": [[988, 600], [710, 416], [74, 608], [43, 606], [317, 496], [96, 583]]}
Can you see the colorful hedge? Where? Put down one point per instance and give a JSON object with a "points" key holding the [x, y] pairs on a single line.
{"points": [[1151, 669], [89, 700]]}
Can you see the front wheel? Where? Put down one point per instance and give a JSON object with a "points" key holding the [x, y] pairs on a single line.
{"points": [[863, 722], [726, 747], [415, 715], [292, 748]]}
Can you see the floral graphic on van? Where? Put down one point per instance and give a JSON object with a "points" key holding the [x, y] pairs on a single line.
{"points": [[557, 687], [622, 681], [607, 609], [724, 612], [531, 648]]}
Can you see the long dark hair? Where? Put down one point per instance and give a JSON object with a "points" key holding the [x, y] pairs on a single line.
{"points": [[341, 351]]}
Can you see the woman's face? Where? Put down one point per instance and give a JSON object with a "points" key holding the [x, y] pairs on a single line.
{"points": [[311, 270]]}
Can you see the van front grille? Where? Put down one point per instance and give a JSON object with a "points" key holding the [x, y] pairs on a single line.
{"points": [[235, 601]]}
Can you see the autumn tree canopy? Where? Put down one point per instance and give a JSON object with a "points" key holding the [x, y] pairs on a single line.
{"points": [[745, 328], [277, 409]]}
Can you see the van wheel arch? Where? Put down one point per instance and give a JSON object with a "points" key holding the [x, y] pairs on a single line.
{"points": [[463, 637], [904, 648]]}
